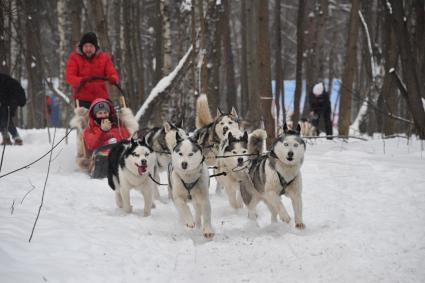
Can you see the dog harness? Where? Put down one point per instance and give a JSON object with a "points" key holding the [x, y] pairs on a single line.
{"points": [[283, 183], [189, 186]]}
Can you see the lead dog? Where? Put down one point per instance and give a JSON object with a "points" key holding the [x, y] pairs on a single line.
{"points": [[275, 174], [234, 161], [130, 164], [189, 182]]}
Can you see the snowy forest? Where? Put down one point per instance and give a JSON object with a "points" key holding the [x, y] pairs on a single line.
{"points": [[240, 53]]}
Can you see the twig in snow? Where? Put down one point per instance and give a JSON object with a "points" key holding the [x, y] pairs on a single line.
{"points": [[12, 208], [44, 188], [33, 188]]}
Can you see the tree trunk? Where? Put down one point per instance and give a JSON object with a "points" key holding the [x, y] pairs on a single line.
{"points": [[278, 57], [349, 70], [264, 87], [4, 50], [299, 70], [244, 62], [408, 62], [61, 6], [33, 62]]}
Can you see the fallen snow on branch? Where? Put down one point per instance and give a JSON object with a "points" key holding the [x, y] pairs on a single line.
{"points": [[162, 85]]}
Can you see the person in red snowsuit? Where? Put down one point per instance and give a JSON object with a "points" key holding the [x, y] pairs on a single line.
{"points": [[104, 127], [84, 63]]}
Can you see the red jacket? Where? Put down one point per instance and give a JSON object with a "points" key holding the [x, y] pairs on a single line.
{"points": [[95, 137], [79, 67]]}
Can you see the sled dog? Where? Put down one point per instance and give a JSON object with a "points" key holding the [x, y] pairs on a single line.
{"points": [[211, 132], [277, 173], [189, 181], [130, 164], [234, 160], [307, 129], [162, 140]]}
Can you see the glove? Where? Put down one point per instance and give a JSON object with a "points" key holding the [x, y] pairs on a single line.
{"points": [[112, 80]]}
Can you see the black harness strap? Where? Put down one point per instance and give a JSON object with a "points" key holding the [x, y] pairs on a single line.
{"points": [[283, 183], [189, 186]]}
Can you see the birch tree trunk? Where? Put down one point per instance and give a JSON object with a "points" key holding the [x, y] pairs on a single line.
{"points": [[61, 6]]}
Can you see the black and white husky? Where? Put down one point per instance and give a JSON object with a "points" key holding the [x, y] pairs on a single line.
{"points": [[162, 140], [211, 132], [130, 164], [275, 174], [234, 159], [189, 181]]}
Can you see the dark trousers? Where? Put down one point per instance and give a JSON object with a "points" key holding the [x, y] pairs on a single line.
{"points": [[326, 116], [5, 115]]}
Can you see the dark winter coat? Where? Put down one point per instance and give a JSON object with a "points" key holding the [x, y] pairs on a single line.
{"points": [[79, 69], [321, 103], [95, 137], [11, 92]]}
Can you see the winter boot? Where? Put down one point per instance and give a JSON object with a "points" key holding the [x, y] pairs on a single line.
{"points": [[6, 140], [18, 141]]}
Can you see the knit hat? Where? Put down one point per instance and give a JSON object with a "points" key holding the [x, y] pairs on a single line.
{"points": [[89, 37], [101, 106], [318, 89]]}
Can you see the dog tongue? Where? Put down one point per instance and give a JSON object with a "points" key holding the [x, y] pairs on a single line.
{"points": [[142, 169]]}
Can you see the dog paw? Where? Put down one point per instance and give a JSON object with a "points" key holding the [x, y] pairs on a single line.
{"points": [[190, 225], [128, 209], [153, 205], [286, 218], [146, 213], [300, 226], [208, 233]]}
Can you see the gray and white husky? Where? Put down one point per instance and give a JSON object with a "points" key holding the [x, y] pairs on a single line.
{"points": [[162, 140], [130, 164], [234, 159], [275, 174], [189, 181], [211, 132]]}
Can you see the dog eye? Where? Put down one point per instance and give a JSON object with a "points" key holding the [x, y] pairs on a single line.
{"points": [[230, 123], [147, 154], [244, 151], [181, 154], [221, 123], [286, 144], [135, 154], [234, 152], [295, 145], [191, 154]]}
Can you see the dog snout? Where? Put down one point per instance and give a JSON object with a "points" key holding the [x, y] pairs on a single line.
{"points": [[144, 162], [240, 161], [184, 165], [290, 154], [225, 129]]}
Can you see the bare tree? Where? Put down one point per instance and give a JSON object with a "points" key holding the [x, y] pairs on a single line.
{"points": [[349, 70], [299, 72]]}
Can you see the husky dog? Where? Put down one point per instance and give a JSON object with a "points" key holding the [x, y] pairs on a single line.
{"points": [[211, 132], [307, 128], [130, 165], [234, 161], [162, 140], [275, 174], [189, 180]]}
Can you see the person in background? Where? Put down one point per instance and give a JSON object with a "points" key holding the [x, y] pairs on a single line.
{"points": [[12, 95], [104, 127], [320, 106], [86, 62]]}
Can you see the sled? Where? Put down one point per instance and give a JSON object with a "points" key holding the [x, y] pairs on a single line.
{"points": [[95, 163]]}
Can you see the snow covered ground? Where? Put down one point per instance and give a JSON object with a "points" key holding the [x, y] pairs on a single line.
{"points": [[363, 207]]}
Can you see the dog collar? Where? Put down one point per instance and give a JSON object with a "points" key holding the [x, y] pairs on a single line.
{"points": [[189, 186], [284, 183]]}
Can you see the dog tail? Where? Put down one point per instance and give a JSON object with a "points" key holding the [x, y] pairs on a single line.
{"points": [[257, 142], [203, 113], [129, 121], [80, 119]]}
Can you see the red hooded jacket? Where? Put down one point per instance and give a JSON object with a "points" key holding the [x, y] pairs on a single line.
{"points": [[78, 67], [95, 137]]}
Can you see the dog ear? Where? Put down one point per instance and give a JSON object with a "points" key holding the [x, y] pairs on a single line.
{"points": [[178, 137], [245, 136], [285, 128], [219, 112], [133, 141], [167, 127], [145, 144], [179, 124], [273, 154], [230, 137], [234, 113], [298, 129]]}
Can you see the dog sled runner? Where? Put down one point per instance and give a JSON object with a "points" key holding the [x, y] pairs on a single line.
{"points": [[95, 162]]}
